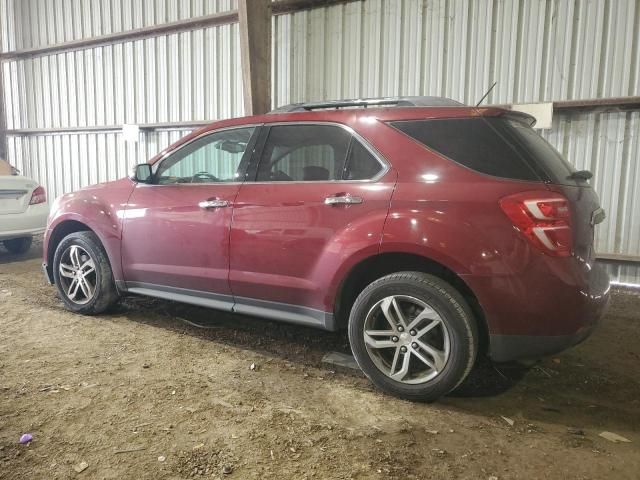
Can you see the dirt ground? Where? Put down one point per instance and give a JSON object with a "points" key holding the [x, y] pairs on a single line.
{"points": [[140, 394]]}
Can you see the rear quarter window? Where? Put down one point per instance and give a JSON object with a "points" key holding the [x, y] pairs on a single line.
{"points": [[481, 144]]}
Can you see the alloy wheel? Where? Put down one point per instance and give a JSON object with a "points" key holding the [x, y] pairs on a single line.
{"points": [[77, 275], [406, 339]]}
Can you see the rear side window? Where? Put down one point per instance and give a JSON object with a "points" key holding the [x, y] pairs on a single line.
{"points": [[550, 160], [486, 145]]}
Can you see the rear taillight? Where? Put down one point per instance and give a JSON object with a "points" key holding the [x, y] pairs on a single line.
{"points": [[38, 196], [544, 218]]}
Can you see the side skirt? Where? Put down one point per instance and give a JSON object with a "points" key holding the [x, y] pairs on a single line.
{"points": [[282, 312]]}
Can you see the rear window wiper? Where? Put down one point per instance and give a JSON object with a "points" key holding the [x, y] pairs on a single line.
{"points": [[580, 175]]}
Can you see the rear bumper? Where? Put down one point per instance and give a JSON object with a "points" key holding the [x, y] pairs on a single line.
{"points": [[31, 222], [542, 311], [506, 348]]}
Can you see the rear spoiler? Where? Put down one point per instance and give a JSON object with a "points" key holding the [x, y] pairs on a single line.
{"points": [[520, 117]]}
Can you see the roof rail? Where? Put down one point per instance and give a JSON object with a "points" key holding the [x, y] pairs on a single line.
{"points": [[370, 102]]}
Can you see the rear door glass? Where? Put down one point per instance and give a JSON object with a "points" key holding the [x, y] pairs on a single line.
{"points": [[303, 153], [361, 164]]}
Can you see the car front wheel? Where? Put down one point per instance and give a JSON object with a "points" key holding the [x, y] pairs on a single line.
{"points": [[413, 335], [83, 275], [18, 246]]}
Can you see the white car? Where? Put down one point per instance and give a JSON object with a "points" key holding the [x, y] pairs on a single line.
{"points": [[23, 212]]}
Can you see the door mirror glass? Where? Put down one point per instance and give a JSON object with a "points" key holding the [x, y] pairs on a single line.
{"points": [[142, 173]]}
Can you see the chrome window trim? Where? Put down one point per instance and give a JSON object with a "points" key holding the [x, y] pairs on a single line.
{"points": [[156, 164], [386, 166]]}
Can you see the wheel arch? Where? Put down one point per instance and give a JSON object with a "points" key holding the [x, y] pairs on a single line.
{"points": [[377, 266], [60, 231]]}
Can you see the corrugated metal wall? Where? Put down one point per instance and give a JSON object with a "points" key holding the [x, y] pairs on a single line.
{"points": [[537, 50], [169, 78]]}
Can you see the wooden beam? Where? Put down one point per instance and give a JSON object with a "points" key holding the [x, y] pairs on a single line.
{"points": [[3, 112], [281, 7], [607, 103], [623, 103], [255, 54], [3, 121], [188, 124], [618, 257], [223, 18]]}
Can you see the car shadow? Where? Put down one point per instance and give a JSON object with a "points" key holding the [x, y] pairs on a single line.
{"points": [[575, 389], [293, 343], [34, 252]]}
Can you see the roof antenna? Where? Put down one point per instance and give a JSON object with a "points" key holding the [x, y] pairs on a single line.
{"points": [[486, 94]]}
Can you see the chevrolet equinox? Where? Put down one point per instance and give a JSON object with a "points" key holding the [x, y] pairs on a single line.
{"points": [[434, 232]]}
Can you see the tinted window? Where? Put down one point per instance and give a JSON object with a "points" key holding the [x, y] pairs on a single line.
{"points": [[303, 153], [541, 151], [482, 144], [211, 159], [361, 164]]}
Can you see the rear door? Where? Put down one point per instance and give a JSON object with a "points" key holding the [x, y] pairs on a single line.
{"points": [[320, 193]]}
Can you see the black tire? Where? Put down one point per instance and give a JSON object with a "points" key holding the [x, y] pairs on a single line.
{"points": [[105, 294], [455, 315], [18, 246]]}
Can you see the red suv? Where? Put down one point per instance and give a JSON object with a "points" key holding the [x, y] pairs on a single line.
{"points": [[433, 231]]}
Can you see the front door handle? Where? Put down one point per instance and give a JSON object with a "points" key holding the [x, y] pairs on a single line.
{"points": [[342, 199], [213, 203]]}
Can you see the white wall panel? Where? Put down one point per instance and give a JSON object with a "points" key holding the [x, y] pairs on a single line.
{"points": [[537, 50]]}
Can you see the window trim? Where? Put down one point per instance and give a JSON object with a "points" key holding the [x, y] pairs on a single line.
{"points": [[251, 145], [257, 154]]}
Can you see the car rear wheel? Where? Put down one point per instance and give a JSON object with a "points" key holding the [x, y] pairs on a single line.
{"points": [[18, 246], [413, 335], [83, 275]]}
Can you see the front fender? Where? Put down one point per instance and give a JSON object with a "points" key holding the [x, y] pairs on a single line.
{"points": [[100, 209]]}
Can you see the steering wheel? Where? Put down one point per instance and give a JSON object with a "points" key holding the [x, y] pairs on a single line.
{"points": [[202, 177]]}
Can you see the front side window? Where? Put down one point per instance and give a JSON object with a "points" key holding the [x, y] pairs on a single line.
{"points": [[298, 153], [215, 158]]}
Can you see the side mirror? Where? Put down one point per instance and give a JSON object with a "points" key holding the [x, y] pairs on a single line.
{"points": [[142, 173]]}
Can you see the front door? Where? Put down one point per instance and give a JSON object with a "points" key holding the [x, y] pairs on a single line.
{"points": [[176, 230], [319, 195]]}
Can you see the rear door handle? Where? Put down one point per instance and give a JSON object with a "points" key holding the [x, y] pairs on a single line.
{"points": [[342, 199], [213, 203]]}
